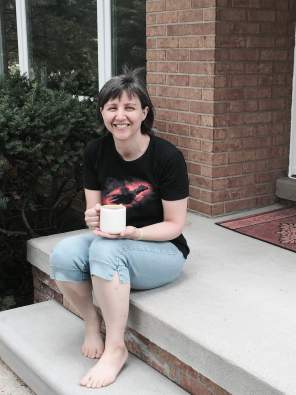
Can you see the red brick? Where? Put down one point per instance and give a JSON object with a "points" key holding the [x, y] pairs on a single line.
{"points": [[151, 42], [194, 168], [202, 133], [166, 115], [155, 78], [177, 79], [202, 81], [202, 54], [156, 5], [171, 104], [203, 208], [189, 118], [240, 205], [202, 107], [229, 170], [209, 14], [191, 29], [150, 19], [273, 54], [231, 14], [245, 54], [197, 42], [189, 143], [167, 42], [177, 54], [177, 4], [203, 3], [244, 80], [218, 209], [166, 17], [166, 67], [197, 68], [190, 15], [234, 41], [153, 54], [207, 120], [194, 192], [261, 15], [156, 30]]}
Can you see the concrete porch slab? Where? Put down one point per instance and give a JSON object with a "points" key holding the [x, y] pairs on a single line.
{"points": [[231, 314]]}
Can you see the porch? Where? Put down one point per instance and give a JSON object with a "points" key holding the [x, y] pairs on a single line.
{"points": [[226, 326]]}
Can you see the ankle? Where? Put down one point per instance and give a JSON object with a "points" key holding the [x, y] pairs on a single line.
{"points": [[116, 348]]}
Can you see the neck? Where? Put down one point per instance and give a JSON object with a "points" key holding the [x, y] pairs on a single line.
{"points": [[131, 150]]}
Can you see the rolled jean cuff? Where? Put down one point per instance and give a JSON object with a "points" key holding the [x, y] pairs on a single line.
{"points": [[68, 275], [105, 271]]}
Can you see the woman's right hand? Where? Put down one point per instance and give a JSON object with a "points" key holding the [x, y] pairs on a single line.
{"points": [[92, 217]]}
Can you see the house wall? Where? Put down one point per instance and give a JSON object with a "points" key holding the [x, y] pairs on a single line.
{"points": [[220, 76]]}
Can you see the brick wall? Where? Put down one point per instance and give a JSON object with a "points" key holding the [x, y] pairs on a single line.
{"points": [[220, 76]]}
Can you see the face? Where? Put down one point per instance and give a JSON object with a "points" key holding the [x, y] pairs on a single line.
{"points": [[123, 116]]}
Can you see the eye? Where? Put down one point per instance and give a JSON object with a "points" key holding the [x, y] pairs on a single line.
{"points": [[130, 108], [112, 108]]}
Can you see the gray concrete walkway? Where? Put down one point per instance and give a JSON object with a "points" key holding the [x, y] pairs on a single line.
{"points": [[10, 384]]}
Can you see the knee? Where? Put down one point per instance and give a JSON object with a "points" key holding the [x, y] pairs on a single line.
{"points": [[67, 255], [107, 251]]}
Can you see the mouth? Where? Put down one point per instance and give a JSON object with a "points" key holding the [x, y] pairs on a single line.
{"points": [[120, 125]]}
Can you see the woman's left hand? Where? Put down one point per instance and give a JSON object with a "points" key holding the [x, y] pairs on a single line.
{"points": [[130, 232]]}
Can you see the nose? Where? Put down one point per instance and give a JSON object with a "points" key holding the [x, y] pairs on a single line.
{"points": [[120, 114]]}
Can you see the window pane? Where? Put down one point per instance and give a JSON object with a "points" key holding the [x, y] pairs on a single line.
{"points": [[8, 37], [63, 43], [128, 34]]}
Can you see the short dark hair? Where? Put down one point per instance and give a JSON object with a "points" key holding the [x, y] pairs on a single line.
{"points": [[131, 83]]}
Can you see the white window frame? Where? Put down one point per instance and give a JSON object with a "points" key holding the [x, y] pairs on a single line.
{"points": [[292, 160], [103, 37]]}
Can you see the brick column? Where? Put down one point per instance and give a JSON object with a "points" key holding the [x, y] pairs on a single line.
{"points": [[220, 76], [254, 53]]}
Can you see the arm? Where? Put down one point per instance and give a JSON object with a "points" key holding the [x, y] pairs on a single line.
{"points": [[174, 217], [92, 198], [92, 212]]}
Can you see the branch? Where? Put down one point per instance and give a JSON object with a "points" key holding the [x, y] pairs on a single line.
{"points": [[12, 233]]}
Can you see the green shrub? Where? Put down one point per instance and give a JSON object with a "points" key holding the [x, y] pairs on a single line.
{"points": [[43, 133]]}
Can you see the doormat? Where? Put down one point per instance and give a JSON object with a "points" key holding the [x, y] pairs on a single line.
{"points": [[276, 227]]}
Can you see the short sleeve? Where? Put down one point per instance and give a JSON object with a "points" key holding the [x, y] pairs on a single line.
{"points": [[174, 183], [90, 173]]}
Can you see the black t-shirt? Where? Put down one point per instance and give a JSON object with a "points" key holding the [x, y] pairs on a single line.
{"points": [[141, 184]]}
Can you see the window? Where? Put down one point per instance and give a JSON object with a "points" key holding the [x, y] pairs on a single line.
{"points": [[73, 43], [128, 34], [8, 36], [63, 45]]}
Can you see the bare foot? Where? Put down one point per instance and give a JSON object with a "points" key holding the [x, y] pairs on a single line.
{"points": [[93, 346], [106, 369]]}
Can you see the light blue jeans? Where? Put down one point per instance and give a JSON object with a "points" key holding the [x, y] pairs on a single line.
{"points": [[143, 264]]}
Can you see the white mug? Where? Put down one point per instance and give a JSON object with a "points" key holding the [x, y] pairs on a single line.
{"points": [[112, 218]]}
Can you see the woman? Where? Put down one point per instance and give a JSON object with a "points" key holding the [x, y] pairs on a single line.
{"points": [[129, 165]]}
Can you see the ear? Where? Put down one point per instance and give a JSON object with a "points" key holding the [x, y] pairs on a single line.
{"points": [[145, 112]]}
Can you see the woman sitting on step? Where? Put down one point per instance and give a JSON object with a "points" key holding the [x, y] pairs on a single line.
{"points": [[127, 165]]}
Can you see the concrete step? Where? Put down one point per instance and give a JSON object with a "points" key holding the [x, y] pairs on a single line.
{"points": [[41, 343], [286, 188], [227, 323]]}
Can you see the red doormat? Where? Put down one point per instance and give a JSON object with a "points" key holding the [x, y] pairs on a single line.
{"points": [[277, 227]]}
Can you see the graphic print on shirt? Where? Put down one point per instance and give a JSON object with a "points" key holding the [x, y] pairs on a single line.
{"points": [[130, 193]]}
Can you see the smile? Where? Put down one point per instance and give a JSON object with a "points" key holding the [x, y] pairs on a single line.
{"points": [[120, 125]]}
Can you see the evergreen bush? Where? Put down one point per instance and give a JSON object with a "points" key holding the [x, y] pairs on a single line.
{"points": [[43, 133]]}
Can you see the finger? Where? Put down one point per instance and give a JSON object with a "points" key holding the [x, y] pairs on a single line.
{"points": [[98, 232], [95, 224]]}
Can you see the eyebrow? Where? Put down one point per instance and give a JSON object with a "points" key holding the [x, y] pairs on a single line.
{"points": [[128, 103]]}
